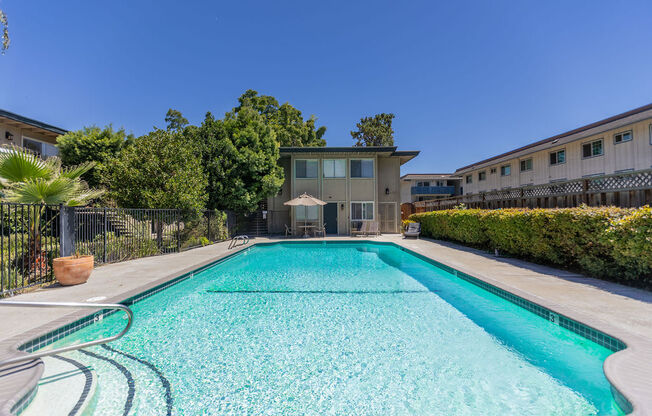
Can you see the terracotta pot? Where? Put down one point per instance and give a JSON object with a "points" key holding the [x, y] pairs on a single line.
{"points": [[73, 270]]}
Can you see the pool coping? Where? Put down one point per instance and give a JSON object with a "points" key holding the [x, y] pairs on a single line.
{"points": [[629, 370]]}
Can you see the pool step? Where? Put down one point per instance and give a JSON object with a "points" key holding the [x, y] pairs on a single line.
{"points": [[66, 388]]}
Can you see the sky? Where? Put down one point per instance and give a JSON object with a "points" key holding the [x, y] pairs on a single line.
{"points": [[466, 79]]}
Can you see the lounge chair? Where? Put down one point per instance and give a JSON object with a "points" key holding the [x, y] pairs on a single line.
{"points": [[413, 230], [288, 230], [373, 229], [364, 229]]}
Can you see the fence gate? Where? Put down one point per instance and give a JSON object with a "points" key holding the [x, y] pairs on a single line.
{"points": [[387, 215]]}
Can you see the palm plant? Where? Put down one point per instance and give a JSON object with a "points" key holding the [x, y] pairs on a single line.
{"points": [[25, 178]]}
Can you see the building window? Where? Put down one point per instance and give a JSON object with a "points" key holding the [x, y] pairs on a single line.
{"points": [[362, 211], [505, 170], [306, 169], [492, 170], [334, 168], [423, 183], [526, 165], [624, 136], [469, 179], [558, 157], [307, 213], [592, 149], [482, 175], [42, 149], [362, 168]]}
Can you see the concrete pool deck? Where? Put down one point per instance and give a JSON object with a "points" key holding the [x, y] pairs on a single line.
{"points": [[620, 311]]}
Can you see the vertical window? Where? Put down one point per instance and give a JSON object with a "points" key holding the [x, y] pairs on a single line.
{"points": [[505, 170], [558, 157], [592, 149], [307, 213], [469, 179], [305, 169], [42, 149], [334, 168], [482, 175], [492, 170], [624, 136], [526, 165], [362, 211], [362, 168], [423, 183]]}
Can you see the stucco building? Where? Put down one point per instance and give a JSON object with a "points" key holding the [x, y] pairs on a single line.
{"points": [[34, 135], [357, 183]]}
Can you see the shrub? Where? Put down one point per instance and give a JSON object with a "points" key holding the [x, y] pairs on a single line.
{"points": [[607, 242]]}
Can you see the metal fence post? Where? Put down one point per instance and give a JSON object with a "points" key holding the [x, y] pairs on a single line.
{"points": [[67, 230], [176, 214], [104, 249], [208, 227]]}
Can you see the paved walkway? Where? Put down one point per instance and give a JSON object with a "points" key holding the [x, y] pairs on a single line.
{"points": [[623, 312]]}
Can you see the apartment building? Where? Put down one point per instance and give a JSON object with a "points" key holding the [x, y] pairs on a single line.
{"points": [[618, 144], [427, 186], [357, 183]]}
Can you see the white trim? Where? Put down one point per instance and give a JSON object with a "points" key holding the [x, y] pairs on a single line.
{"points": [[294, 169], [622, 133], [373, 211], [363, 177], [590, 142]]}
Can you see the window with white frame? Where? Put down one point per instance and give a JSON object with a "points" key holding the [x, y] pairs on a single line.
{"points": [[361, 211], [482, 175], [334, 168], [42, 149], [592, 149], [306, 168], [526, 165], [362, 168], [505, 170], [423, 183], [492, 170], [307, 213], [558, 157], [622, 137]]}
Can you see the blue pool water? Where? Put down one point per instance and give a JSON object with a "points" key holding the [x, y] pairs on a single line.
{"points": [[340, 329]]}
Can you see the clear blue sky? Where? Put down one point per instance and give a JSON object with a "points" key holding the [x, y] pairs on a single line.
{"points": [[466, 80]]}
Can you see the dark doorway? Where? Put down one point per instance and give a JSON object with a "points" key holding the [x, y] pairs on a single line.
{"points": [[330, 217]]}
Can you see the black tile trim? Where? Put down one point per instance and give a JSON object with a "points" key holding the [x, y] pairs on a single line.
{"points": [[131, 384], [88, 382]]}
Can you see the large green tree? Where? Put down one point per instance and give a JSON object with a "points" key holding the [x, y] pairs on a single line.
{"points": [[92, 144], [286, 121], [159, 170], [175, 120], [374, 131], [240, 155]]}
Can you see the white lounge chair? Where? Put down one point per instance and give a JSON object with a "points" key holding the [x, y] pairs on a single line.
{"points": [[413, 230]]}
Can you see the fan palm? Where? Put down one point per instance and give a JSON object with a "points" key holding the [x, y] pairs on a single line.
{"points": [[26, 178]]}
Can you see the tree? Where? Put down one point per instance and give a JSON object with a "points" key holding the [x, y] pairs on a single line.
{"points": [[159, 170], [92, 144], [286, 121], [375, 131], [4, 26], [175, 120], [27, 179], [240, 155]]}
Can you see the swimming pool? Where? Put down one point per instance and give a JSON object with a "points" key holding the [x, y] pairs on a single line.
{"points": [[340, 328]]}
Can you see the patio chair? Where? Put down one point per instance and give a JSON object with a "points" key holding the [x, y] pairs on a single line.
{"points": [[288, 230], [321, 230], [373, 229], [413, 230], [364, 229]]}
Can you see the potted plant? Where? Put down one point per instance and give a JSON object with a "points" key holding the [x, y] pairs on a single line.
{"points": [[73, 270]]}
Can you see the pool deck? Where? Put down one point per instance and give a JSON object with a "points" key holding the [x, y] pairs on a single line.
{"points": [[620, 311]]}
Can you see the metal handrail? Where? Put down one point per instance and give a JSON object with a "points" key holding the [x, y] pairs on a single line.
{"points": [[31, 356], [234, 240]]}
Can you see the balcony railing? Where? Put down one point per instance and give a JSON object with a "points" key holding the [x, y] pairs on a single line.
{"points": [[433, 190]]}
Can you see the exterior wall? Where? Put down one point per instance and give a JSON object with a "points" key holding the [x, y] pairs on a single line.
{"points": [[342, 191], [632, 155], [406, 185], [19, 133]]}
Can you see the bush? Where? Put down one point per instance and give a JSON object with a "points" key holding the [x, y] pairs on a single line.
{"points": [[611, 243]]}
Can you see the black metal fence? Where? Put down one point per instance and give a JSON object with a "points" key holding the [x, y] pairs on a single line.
{"points": [[30, 240], [33, 235], [119, 234]]}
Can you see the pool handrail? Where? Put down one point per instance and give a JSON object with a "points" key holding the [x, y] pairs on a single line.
{"points": [[35, 355], [234, 241]]}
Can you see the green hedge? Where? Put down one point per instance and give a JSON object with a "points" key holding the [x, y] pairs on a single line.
{"points": [[611, 243]]}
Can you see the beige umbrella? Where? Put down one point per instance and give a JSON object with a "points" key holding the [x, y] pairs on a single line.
{"points": [[305, 200]]}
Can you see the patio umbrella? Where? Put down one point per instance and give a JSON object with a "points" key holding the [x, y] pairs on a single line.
{"points": [[305, 200]]}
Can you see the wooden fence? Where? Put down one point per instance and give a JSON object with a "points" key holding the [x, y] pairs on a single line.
{"points": [[631, 189]]}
